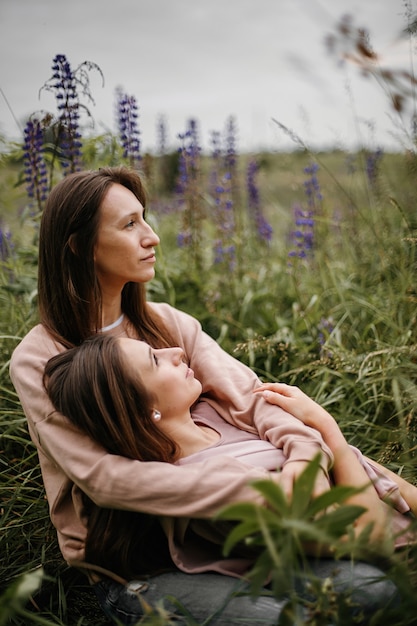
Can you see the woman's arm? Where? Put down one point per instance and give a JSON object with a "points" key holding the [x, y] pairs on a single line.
{"points": [[228, 385], [347, 469], [66, 453]]}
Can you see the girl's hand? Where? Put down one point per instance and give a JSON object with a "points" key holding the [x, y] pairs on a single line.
{"points": [[296, 402]]}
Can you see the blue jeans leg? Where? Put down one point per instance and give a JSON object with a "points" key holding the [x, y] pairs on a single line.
{"points": [[215, 596]]}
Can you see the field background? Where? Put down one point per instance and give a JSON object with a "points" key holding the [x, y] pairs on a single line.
{"points": [[300, 264]]}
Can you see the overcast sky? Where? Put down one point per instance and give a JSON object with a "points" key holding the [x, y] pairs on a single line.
{"points": [[208, 59]]}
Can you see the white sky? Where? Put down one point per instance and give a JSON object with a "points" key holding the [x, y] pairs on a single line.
{"points": [[207, 59]]}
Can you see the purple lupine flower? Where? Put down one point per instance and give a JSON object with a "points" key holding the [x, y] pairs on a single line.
{"points": [[312, 186], [264, 229], [215, 142], [231, 140], [303, 237], [189, 156], [127, 118], [223, 216], [65, 87], [373, 162], [224, 249], [222, 190], [224, 253], [36, 178], [188, 190]]}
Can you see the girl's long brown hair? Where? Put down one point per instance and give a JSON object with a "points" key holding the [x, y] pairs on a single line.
{"points": [[68, 291], [92, 387]]}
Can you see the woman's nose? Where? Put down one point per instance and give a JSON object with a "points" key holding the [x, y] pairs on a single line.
{"points": [[150, 238]]}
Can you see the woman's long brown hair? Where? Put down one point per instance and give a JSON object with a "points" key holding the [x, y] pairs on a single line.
{"points": [[68, 291], [92, 387]]}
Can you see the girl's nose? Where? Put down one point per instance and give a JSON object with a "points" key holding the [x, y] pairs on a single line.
{"points": [[177, 355]]}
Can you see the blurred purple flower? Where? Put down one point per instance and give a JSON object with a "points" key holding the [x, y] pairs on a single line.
{"points": [[36, 178], [224, 249], [373, 163], [303, 237], [188, 191], [231, 141], [264, 229], [189, 158], [312, 186], [224, 253]]}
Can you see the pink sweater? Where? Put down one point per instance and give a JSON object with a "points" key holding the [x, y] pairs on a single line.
{"points": [[72, 463]]}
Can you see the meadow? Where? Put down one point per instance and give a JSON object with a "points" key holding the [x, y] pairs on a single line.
{"points": [[301, 265]]}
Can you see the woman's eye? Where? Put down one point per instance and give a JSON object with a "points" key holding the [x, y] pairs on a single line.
{"points": [[130, 224], [155, 358]]}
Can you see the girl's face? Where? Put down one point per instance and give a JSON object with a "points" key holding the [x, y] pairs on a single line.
{"points": [[165, 374], [124, 250]]}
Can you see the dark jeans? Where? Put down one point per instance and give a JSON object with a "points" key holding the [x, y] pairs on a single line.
{"points": [[211, 598]]}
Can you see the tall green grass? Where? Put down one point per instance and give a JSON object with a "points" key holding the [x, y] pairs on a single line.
{"points": [[270, 313]]}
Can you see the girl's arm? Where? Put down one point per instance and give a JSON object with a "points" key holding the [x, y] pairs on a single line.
{"points": [[347, 470]]}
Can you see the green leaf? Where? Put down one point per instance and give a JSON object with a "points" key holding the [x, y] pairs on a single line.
{"points": [[274, 495], [336, 495], [239, 533], [337, 521], [16, 596], [238, 511], [303, 488]]}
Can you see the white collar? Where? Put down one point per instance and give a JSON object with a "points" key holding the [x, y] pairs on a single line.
{"points": [[113, 325]]}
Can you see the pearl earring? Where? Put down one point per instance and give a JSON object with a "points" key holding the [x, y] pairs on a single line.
{"points": [[156, 415]]}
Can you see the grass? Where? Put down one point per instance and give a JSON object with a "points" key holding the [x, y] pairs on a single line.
{"points": [[340, 323]]}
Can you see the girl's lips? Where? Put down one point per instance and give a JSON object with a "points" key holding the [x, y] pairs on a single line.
{"points": [[189, 372]]}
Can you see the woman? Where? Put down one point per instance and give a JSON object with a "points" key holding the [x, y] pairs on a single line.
{"points": [[140, 402], [96, 253]]}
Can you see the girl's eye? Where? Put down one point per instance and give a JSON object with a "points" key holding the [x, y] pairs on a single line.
{"points": [[130, 224], [155, 358]]}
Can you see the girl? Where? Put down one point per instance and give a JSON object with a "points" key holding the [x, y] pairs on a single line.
{"points": [[137, 402]]}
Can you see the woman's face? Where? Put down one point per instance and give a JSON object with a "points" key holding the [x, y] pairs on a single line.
{"points": [[164, 373], [124, 250]]}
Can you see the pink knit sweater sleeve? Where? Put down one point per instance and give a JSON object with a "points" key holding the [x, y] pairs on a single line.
{"points": [[228, 385]]}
